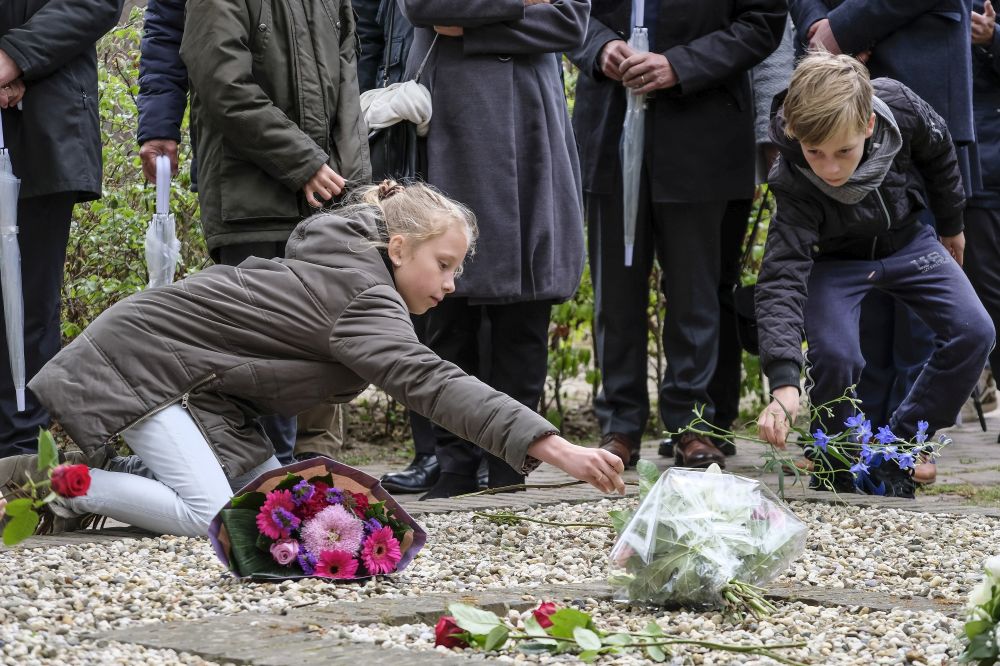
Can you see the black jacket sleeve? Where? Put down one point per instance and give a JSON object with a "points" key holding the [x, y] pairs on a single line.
{"points": [[163, 78], [587, 55], [858, 24], [57, 33], [781, 291], [371, 34]]}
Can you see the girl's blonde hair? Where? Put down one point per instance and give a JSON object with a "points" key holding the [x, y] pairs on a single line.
{"points": [[828, 94], [416, 211]]}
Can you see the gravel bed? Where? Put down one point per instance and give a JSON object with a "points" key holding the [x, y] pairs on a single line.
{"points": [[832, 636], [53, 597]]}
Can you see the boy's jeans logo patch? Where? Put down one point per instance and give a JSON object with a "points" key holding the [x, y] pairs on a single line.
{"points": [[929, 261]]}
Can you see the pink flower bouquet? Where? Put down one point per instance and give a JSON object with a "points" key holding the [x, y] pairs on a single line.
{"points": [[314, 518]]}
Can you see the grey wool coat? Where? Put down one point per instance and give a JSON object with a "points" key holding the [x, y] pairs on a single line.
{"points": [[272, 336], [501, 142]]}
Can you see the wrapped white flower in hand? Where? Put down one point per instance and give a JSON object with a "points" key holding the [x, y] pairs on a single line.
{"points": [[704, 539]]}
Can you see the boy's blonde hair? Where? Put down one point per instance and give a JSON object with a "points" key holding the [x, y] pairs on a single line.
{"points": [[417, 211], [827, 95]]}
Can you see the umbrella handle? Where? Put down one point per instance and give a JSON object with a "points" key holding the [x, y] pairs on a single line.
{"points": [[162, 184]]}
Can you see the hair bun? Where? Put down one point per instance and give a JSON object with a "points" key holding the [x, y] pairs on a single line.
{"points": [[387, 188]]}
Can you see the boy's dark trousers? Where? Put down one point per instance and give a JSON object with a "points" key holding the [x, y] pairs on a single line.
{"points": [[926, 279], [982, 263]]}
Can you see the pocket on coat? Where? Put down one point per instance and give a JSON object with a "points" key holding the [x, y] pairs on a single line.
{"points": [[249, 194]]}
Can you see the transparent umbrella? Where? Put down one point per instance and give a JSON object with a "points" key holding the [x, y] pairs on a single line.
{"points": [[10, 271], [633, 132], [163, 250]]}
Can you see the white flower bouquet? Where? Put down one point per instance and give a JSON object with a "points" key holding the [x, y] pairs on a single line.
{"points": [[704, 539]]}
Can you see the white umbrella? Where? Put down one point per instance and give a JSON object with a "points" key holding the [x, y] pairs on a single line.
{"points": [[633, 133], [163, 250], [10, 271]]}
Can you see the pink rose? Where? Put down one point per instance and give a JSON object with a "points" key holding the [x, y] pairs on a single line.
{"points": [[543, 612], [285, 551]]}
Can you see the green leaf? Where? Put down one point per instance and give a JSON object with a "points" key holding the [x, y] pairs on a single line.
{"points": [[973, 629], [532, 628], [656, 653], [20, 528], [472, 619], [619, 519], [497, 638], [245, 558], [588, 656], [48, 454], [649, 474], [250, 501], [653, 629], [537, 647], [618, 639], [19, 507], [288, 482], [586, 638]]}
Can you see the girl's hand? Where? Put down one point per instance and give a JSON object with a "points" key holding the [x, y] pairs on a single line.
{"points": [[601, 469], [326, 183], [773, 423]]}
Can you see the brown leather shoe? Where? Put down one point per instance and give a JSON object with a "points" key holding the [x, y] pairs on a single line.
{"points": [[692, 450], [621, 446]]}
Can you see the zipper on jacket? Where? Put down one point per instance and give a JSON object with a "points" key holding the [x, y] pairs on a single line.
{"points": [[888, 219], [163, 405], [201, 429]]}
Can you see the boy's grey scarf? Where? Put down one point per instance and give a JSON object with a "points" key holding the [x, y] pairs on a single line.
{"points": [[886, 142]]}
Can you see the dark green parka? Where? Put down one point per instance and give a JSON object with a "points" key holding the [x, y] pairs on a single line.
{"points": [[274, 95]]}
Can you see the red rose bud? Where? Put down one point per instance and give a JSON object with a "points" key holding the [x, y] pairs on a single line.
{"points": [[449, 634], [71, 480], [361, 504], [543, 612]]}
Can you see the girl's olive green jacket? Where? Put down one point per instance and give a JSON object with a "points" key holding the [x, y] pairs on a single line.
{"points": [[274, 96], [271, 336]]}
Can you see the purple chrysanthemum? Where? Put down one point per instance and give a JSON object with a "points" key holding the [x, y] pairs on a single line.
{"points": [[302, 492], [372, 525], [308, 562], [333, 528], [334, 496]]}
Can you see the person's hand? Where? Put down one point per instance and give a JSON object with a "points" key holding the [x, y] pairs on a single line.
{"points": [[451, 30], [775, 422], [11, 94], [9, 69], [821, 37], [528, 3], [646, 72], [152, 149], [612, 56], [955, 246], [983, 25], [323, 186], [601, 469]]}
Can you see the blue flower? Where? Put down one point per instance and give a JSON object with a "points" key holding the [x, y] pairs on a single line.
{"points": [[855, 421], [864, 432], [890, 452], [921, 432], [866, 454], [905, 460], [821, 439], [885, 436], [860, 472]]}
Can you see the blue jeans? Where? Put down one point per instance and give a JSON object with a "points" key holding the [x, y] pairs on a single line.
{"points": [[931, 284]]}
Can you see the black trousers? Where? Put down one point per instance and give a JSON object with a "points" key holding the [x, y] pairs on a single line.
{"points": [[982, 264], [43, 233], [424, 441], [512, 357], [686, 240]]}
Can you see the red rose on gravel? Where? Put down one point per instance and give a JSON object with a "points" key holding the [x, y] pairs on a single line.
{"points": [[71, 480], [543, 612], [449, 634]]}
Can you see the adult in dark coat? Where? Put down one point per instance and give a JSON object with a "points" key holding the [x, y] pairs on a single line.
{"points": [[924, 44], [48, 63], [982, 213], [699, 156], [501, 142]]}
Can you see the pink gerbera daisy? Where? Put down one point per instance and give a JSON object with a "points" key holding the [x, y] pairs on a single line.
{"points": [[333, 528], [336, 564], [275, 519], [381, 552]]}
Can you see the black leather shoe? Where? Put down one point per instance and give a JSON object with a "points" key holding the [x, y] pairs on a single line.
{"points": [[483, 474], [727, 448], [666, 448], [420, 476]]}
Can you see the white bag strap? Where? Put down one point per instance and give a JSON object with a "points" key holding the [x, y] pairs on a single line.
{"points": [[162, 184]]}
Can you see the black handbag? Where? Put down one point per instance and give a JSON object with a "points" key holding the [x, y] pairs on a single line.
{"points": [[395, 150], [743, 295]]}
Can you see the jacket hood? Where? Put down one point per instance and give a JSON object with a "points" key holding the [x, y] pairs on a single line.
{"points": [[340, 241]]}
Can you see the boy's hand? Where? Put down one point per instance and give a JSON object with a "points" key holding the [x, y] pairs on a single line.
{"points": [[601, 469], [11, 94], [449, 30], [612, 56], [983, 25], [646, 72], [774, 424], [323, 187], [955, 246], [152, 149], [821, 37]]}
